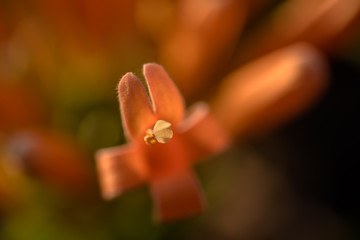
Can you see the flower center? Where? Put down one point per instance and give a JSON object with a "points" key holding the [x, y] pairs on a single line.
{"points": [[161, 133]]}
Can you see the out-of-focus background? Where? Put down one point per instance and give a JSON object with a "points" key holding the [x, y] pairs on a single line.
{"points": [[60, 62]]}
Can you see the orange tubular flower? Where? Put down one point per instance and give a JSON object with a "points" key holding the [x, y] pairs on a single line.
{"points": [[163, 145], [52, 158], [270, 90]]}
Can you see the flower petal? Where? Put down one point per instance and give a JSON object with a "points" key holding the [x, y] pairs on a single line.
{"points": [[167, 101], [202, 133], [177, 196], [167, 159], [135, 107], [120, 168], [266, 92]]}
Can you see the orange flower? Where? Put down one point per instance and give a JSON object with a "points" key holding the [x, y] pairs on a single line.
{"points": [[52, 158], [262, 95], [165, 166]]}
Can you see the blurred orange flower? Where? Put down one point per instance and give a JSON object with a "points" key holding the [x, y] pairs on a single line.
{"points": [[53, 158], [166, 167], [269, 91]]}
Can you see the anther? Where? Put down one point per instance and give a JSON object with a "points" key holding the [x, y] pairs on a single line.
{"points": [[161, 133], [149, 137]]}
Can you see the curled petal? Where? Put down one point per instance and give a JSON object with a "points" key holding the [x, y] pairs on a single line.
{"points": [[167, 101], [135, 107], [266, 92], [120, 168], [177, 196], [202, 133]]}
